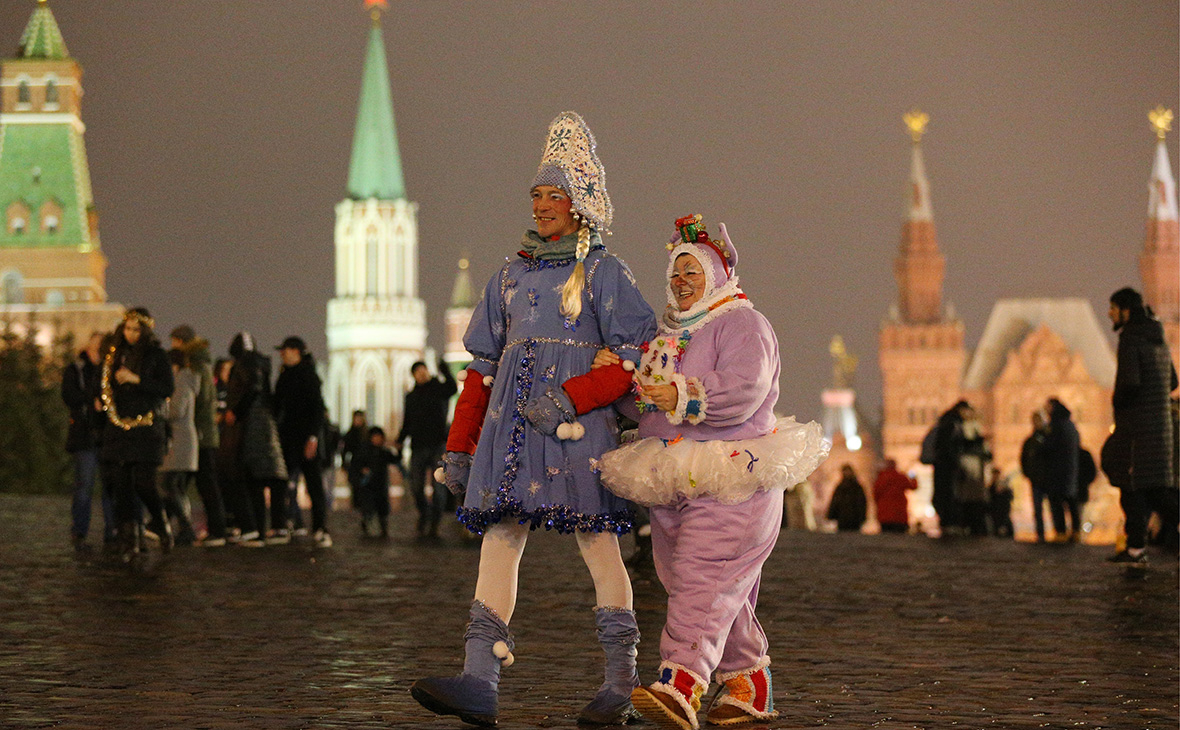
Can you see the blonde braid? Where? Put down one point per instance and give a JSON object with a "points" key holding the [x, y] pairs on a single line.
{"points": [[571, 293]]}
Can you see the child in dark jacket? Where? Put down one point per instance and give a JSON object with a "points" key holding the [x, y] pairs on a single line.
{"points": [[369, 470]]}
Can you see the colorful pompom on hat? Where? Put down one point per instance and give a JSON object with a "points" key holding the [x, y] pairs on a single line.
{"points": [[691, 237], [571, 163]]}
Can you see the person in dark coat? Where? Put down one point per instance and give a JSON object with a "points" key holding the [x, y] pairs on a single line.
{"points": [[971, 479], [251, 439], [848, 506], [299, 410], [136, 378], [948, 447], [1033, 466], [999, 503], [371, 463], [424, 423], [353, 440], [81, 389], [1060, 458], [889, 492], [1138, 457]]}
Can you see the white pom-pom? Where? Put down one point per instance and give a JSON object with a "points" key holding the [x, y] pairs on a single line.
{"points": [[461, 376], [564, 431], [439, 475], [577, 431], [487, 380], [628, 365], [500, 650]]}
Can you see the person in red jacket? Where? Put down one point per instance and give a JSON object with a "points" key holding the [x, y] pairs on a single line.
{"points": [[889, 492]]}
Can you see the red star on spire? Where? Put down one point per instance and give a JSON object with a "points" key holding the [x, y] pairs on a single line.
{"points": [[376, 5]]}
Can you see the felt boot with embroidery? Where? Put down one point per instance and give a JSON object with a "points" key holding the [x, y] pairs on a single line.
{"points": [[473, 696], [618, 633], [674, 700], [747, 696]]}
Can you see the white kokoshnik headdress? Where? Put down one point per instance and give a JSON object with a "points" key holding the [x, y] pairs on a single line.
{"points": [[571, 163]]}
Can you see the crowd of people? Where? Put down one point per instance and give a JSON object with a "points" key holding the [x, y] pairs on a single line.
{"points": [[563, 343]]}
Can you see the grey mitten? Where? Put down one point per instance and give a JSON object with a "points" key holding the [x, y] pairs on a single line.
{"points": [[454, 472], [549, 410]]}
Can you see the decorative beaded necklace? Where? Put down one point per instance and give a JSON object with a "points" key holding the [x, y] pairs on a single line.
{"points": [[108, 399]]}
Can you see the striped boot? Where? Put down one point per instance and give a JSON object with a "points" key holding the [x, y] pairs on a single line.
{"points": [[672, 702], [747, 696]]}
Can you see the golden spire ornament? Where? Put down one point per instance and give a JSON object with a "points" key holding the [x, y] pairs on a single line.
{"points": [[1161, 121], [916, 121], [375, 8]]}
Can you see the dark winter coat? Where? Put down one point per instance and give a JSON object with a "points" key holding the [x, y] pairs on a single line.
{"points": [[848, 506], [142, 444], [1143, 438], [299, 404], [80, 388], [425, 416], [254, 437], [1031, 461], [948, 447], [1060, 454]]}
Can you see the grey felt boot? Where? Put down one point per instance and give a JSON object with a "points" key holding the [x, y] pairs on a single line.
{"points": [[473, 696], [619, 634]]}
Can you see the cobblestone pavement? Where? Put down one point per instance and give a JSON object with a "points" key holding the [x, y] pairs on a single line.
{"points": [[866, 631]]}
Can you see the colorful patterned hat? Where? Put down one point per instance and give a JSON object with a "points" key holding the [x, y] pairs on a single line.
{"points": [[691, 237], [570, 162]]}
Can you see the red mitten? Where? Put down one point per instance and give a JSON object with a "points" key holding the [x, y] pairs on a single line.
{"points": [[469, 413], [598, 388]]}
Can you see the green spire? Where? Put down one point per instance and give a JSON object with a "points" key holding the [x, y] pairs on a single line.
{"points": [[376, 167], [462, 294], [42, 38]]}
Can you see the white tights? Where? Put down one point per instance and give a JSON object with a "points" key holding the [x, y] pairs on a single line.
{"points": [[499, 566]]}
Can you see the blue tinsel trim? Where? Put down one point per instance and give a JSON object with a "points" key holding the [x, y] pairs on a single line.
{"points": [[559, 517]]}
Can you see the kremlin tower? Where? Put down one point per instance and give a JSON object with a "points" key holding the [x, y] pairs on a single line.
{"points": [[52, 269], [1159, 264], [921, 344], [457, 318], [376, 322]]}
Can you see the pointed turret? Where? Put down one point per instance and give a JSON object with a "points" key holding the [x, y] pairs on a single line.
{"points": [[458, 316], [462, 293], [1159, 264], [42, 38], [376, 167], [919, 266]]}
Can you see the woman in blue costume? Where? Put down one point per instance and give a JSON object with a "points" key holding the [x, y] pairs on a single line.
{"points": [[532, 422]]}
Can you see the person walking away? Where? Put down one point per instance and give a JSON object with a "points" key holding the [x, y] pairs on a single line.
{"points": [[372, 462], [136, 378], [999, 499], [424, 423], [81, 390], [299, 410], [354, 440], [330, 448], [1060, 457], [971, 480], [205, 418], [1137, 457], [948, 447], [1032, 464], [254, 441], [179, 468], [848, 505], [889, 493]]}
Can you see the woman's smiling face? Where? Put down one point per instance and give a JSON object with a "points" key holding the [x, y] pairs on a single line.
{"points": [[553, 212], [687, 282]]}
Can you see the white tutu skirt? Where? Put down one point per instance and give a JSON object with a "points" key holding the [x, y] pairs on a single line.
{"points": [[654, 471]]}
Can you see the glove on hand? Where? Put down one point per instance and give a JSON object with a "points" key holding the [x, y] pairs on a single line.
{"points": [[549, 410], [454, 472]]}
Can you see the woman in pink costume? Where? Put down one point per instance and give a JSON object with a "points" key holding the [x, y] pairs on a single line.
{"points": [[712, 463]]}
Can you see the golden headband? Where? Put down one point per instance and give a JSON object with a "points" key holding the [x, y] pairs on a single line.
{"points": [[141, 318]]}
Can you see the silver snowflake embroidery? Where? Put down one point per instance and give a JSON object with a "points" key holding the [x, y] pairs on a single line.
{"points": [[495, 413], [627, 273], [509, 295], [534, 486], [609, 305], [553, 471], [533, 316], [497, 327], [549, 374]]}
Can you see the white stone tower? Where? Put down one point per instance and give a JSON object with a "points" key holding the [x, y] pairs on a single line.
{"points": [[376, 322]]}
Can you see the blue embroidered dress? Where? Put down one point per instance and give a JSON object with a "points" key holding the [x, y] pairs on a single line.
{"points": [[519, 336]]}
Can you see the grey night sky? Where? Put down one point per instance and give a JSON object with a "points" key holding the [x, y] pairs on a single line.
{"points": [[219, 134]]}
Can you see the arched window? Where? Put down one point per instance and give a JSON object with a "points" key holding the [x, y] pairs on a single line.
{"points": [[17, 218], [12, 290], [23, 95], [371, 264], [50, 216], [51, 99]]}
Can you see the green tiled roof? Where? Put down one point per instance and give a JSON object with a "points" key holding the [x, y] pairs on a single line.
{"points": [[42, 38], [376, 167], [41, 162]]}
